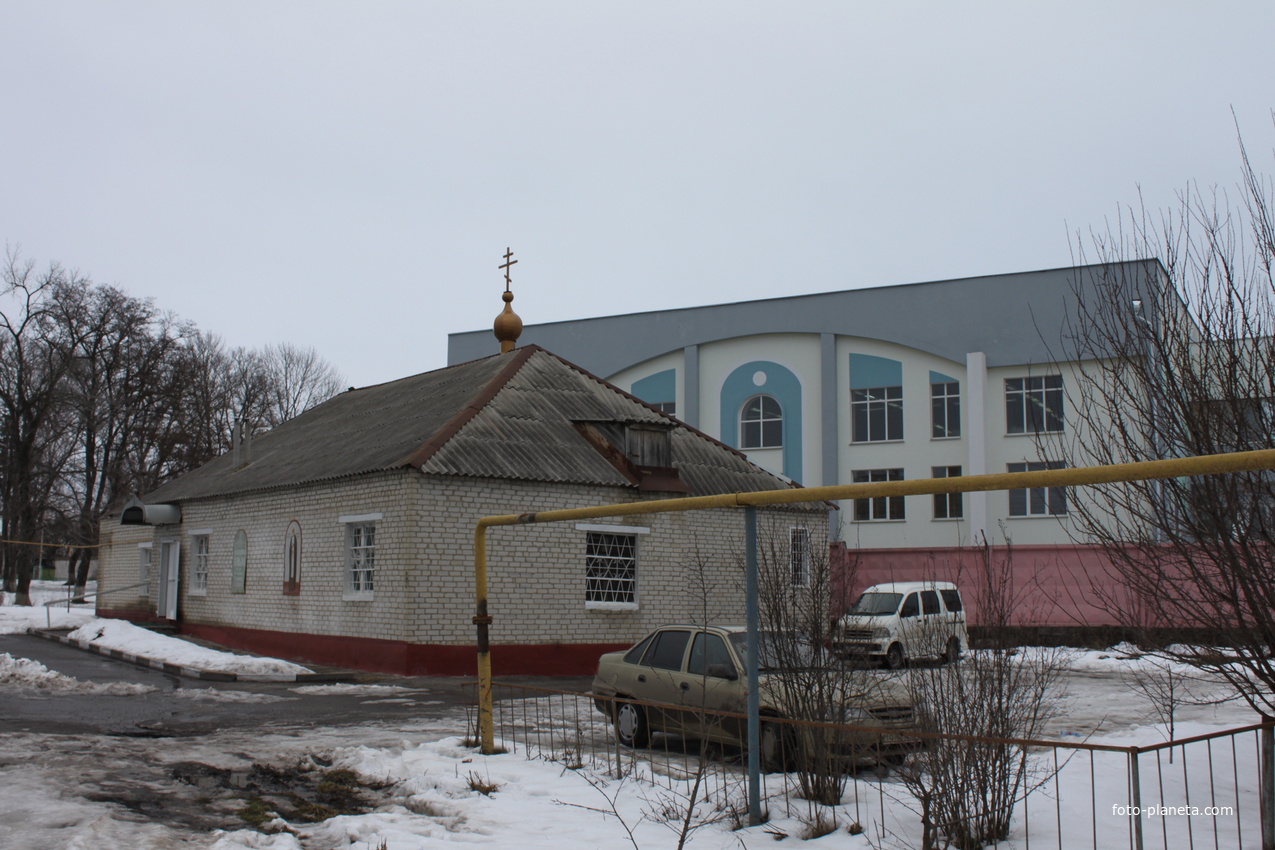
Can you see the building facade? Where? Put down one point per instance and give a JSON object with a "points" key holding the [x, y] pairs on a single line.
{"points": [[346, 536], [947, 378]]}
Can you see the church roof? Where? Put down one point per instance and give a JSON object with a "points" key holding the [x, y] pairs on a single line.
{"points": [[519, 416]]}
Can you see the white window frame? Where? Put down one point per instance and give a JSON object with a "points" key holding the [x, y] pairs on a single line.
{"points": [[943, 502], [950, 405], [880, 401], [1046, 498], [761, 422], [360, 559], [879, 504], [631, 530], [145, 567], [1035, 393], [799, 555], [199, 560]]}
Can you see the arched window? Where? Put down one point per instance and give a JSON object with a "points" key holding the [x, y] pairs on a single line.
{"points": [[292, 560], [761, 423]]}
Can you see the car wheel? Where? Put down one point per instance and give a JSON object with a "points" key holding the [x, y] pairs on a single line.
{"points": [[776, 749], [631, 729], [953, 653], [894, 657]]}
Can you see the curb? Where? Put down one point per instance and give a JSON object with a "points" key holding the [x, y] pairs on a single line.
{"points": [[184, 672]]}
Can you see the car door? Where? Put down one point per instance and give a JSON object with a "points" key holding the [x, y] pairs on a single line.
{"points": [[713, 682], [911, 625], [934, 629], [660, 677]]}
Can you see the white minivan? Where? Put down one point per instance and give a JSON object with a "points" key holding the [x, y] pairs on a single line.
{"points": [[902, 620]]}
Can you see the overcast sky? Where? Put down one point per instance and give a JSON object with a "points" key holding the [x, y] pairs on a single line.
{"points": [[347, 175]]}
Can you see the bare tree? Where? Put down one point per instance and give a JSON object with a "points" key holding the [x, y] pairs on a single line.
{"points": [[1180, 360], [298, 379], [103, 396], [113, 392], [798, 601], [969, 777], [33, 431]]}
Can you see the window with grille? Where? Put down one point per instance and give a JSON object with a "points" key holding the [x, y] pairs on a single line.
{"points": [[199, 569], [876, 415], [1038, 501], [1034, 405], [947, 505], [610, 562], [879, 507], [945, 410], [799, 556], [360, 558]]}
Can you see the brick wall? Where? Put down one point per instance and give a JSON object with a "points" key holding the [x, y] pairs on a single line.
{"points": [[689, 564]]}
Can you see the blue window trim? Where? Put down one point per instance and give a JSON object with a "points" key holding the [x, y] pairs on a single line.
{"points": [[784, 387], [660, 388]]}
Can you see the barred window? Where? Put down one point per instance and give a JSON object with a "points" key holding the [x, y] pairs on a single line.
{"points": [[610, 562], [360, 558], [199, 571], [799, 555]]}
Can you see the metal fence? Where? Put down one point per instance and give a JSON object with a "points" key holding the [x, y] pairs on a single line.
{"points": [[1198, 792]]}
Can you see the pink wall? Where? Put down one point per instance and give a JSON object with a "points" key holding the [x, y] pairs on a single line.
{"points": [[1050, 585]]}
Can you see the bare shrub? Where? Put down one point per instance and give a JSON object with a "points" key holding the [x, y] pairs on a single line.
{"points": [[970, 774]]}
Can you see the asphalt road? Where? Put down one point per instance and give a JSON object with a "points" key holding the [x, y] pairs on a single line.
{"points": [[184, 706]]}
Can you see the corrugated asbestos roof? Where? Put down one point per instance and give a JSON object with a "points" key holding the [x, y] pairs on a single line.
{"points": [[505, 416]]}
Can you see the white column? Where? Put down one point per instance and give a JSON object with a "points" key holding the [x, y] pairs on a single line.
{"points": [[976, 441]]}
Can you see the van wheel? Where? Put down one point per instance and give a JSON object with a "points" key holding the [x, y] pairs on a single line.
{"points": [[631, 728], [894, 657], [953, 652]]}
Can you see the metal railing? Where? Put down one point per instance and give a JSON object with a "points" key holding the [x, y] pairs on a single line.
{"points": [[81, 599], [1197, 792]]}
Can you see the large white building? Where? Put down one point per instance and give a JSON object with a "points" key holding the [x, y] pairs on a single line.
{"points": [[953, 377]]}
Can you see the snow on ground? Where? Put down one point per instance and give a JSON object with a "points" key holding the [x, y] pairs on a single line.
{"points": [[126, 637], [25, 673], [16, 619], [442, 793]]}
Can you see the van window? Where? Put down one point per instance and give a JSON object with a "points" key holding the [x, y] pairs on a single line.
{"points": [[874, 604], [667, 650], [911, 606], [930, 601], [952, 599]]}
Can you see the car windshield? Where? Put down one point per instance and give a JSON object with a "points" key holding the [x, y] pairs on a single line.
{"points": [[778, 650], [876, 604]]}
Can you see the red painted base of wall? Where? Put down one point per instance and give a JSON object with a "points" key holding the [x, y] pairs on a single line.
{"points": [[398, 657]]}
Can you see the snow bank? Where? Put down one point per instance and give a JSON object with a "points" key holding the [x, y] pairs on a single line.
{"points": [[126, 637], [25, 673]]}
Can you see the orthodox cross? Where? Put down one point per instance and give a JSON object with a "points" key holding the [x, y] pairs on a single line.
{"points": [[509, 261]]}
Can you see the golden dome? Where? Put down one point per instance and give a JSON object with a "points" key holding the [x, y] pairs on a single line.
{"points": [[508, 326]]}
